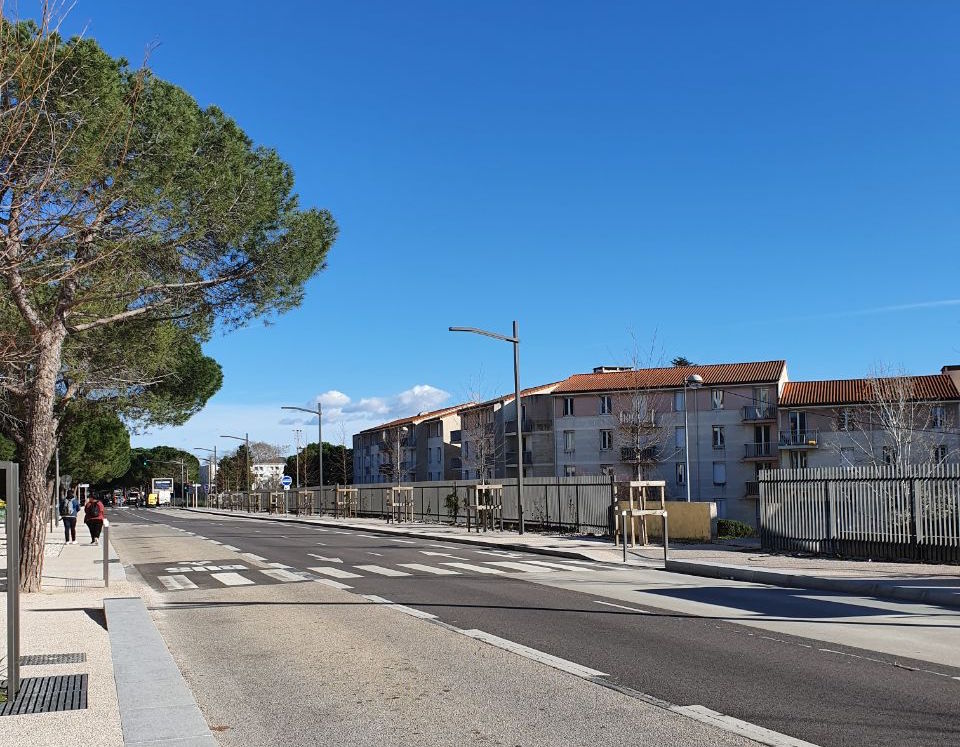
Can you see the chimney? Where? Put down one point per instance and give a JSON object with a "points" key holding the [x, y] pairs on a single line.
{"points": [[954, 373], [610, 369]]}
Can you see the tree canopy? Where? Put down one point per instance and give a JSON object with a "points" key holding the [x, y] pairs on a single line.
{"points": [[134, 224]]}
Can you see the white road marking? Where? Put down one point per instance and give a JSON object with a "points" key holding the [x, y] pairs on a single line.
{"points": [[178, 570], [176, 583], [378, 554], [368, 536], [514, 566], [231, 547], [561, 566], [335, 572], [343, 532], [442, 555], [324, 558], [477, 568], [199, 536], [278, 565], [430, 569], [322, 544], [234, 567], [216, 542], [736, 726], [232, 579], [500, 553], [251, 556], [531, 653], [381, 570], [212, 568], [331, 582], [632, 609], [282, 575], [401, 608], [395, 539]]}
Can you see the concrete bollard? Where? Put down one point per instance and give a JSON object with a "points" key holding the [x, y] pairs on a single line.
{"points": [[106, 552]]}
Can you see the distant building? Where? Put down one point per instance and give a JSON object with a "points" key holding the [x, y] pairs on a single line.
{"points": [[266, 474]]}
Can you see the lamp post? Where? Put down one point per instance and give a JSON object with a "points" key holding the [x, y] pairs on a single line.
{"points": [[212, 466], [515, 341], [319, 413], [246, 440], [296, 434], [693, 381]]}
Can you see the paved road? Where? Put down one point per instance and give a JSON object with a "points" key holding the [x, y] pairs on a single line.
{"points": [[643, 631]]}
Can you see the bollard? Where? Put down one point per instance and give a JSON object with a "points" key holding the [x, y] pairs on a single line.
{"points": [[106, 552], [665, 540], [623, 535]]}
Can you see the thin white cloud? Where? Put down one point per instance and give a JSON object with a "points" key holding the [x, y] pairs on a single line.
{"points": [[271, 424], [891, 309]]}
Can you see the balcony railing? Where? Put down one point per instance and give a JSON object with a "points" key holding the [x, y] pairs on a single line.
{"points": [[753, 488], [760, 451], [529, 426], [754, 413], [799, 439], [511, 459]]}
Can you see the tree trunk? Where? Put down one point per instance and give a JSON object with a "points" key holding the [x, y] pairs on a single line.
{"points": [[37, 451]]}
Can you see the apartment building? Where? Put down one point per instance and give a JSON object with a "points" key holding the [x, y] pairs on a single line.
{"points": [[854, 422], [267, 474], [634, 423], [413, 449], [488, 436]]}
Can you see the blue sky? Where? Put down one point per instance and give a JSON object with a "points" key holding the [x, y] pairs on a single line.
{"points": [[741, 180]]}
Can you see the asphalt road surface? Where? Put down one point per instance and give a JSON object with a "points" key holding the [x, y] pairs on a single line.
{"points": [[719, 645]]}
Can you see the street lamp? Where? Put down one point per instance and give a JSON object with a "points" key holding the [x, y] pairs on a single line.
{"points": [[693, 381], [211, 469], [515, 341], [319, 413], [246, 440]]}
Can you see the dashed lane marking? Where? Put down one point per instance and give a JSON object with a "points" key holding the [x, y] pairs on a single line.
{"points": [[430, 569], [335, 572], [381, 570], [561, 566], [476, 568], [401, 607], [525, 567], [550, 660], [283, 575], [324, 558], [278, 565], [251, 556], [622, 607], [404, 541]]}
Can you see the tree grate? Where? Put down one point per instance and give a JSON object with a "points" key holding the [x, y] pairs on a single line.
{"points": [[35, 660], [67, 692]]}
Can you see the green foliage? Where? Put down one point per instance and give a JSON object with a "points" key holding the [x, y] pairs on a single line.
{"points": [[731, 529], [95, 447], [337, 465], [681, 361], [8, 449], [159, 461]]}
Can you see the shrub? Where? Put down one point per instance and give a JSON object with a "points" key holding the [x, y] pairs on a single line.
{"points": [[728, 528]]}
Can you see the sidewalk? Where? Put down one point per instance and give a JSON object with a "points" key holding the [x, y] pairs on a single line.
{"points": [[68, 617], [741, 560]]}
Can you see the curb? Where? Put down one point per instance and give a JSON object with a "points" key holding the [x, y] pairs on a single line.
{"points": [[573, 554], [859, 587]]}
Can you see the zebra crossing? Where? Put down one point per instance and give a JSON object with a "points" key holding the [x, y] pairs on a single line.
{"points": [[203, 574]]}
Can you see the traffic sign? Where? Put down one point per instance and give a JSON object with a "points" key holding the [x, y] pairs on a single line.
{"points": [[287, 482]]}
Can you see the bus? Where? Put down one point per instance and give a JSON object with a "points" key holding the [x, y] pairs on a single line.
{"points": [[162, 487]]}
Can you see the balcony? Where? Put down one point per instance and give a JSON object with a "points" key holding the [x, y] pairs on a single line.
{"points": [[765, 450], [753, 489], [529, 426], [456, 436], [511, 460], [759, 413], [799, 439]]}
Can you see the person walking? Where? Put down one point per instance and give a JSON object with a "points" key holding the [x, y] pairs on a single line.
{"points": [[93, 517], [69, 508]]}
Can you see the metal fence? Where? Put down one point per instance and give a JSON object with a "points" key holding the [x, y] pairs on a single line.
{"points": [[877, 512], [561, 504]]}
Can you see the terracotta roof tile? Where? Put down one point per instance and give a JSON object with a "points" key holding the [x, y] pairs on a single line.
{"points": [[673, 377], [419, 417], [505, 398], [936, 388]]}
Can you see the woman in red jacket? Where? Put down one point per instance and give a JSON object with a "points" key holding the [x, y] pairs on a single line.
{"points": [[93, 512]]}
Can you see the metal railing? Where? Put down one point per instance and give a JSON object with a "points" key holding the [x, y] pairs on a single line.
{"points": [[799, 439], [759, 412], [760, 450], [753, 488]]}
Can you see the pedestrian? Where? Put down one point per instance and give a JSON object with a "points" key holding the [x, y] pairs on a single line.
{"points": [[93, 517], [69, 508]]}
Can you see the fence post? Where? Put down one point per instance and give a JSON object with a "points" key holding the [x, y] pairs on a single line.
{"points": [[915, 521], [577, 502], [828, 516], [613, 506]]}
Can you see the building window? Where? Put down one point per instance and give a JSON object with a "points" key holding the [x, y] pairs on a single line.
{"points": [[680, 437], [798, 460], [718, 436], [678, 401], [567, 406], [716, 399], [845, 419], [938, 416], [606, 404], [606, 469], [606, 440], [940, 454], [719, 473], [681, 473], [569, 441], [569, 470]]}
